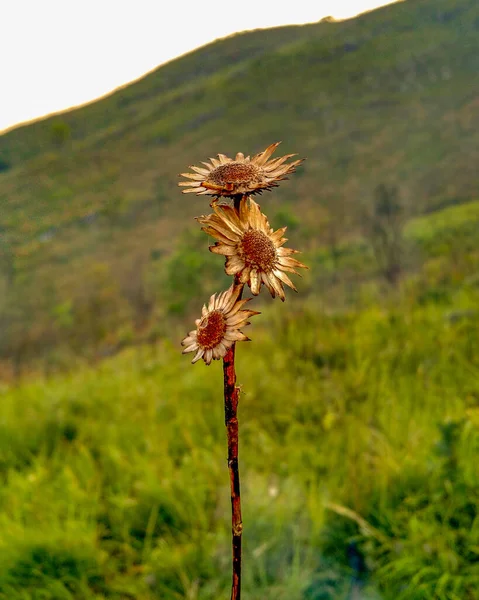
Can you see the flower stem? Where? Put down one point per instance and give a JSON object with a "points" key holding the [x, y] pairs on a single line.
{"points": [[231, 422]]}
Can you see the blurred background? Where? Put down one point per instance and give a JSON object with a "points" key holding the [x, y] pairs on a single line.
{"points": [[359, 421]]}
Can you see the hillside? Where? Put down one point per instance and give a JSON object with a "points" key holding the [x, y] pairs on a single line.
{"points": [[90, 209]]}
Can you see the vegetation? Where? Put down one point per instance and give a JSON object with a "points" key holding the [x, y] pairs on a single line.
{"points": [[359, 466]]}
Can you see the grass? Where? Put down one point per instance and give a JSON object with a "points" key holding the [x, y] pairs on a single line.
{"points": [[115, 480]]}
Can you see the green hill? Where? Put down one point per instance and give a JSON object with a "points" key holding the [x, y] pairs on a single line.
{"points": [[91, 215]]}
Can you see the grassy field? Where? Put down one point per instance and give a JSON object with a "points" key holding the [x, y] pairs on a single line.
{"points": [[359, 446]]}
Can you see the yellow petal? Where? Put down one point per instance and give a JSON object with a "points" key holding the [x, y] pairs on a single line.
{"points": [[224, 249], [233, 265], [285, 279], [190, 348], [216, 234], [255, 282], [261, 158], [198, 355], [235, 336], [268, 284], [278, 286], [236, 307]]}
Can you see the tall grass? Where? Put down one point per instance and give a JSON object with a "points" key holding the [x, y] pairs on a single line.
{"points": [[359, 466]]}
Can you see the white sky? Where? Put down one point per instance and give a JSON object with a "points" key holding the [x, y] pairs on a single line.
{"points": [[55, 54]]}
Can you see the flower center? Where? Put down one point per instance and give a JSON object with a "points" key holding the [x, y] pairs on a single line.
{"points": [[258, 250], [235, 172], [211, 329]]}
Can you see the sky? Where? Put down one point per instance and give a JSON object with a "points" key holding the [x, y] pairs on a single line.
{"points": [[56, 54]]}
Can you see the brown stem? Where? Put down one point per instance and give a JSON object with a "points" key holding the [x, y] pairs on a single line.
{"points": [[231, 422], [237, 202]]}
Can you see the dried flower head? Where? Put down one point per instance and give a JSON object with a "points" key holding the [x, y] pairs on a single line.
{"points": [[219, 326], [253, 251], [242, 176]]}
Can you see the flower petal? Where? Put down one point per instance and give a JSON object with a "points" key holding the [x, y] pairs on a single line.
{"points": [[224, 249], [261, 158], [236, 307], [241, 317], [234, 264], [255, 282], [267, 281], [224, 159], [245, 273], [186, 183], [198, 355], [235, 336], [286, 251], [223, 228], [285, 279], [200, 170], [190, 348], [193, 176]]}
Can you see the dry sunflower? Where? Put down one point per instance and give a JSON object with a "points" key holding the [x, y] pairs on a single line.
{"points": [[225, 177], [219, 326], [254, 252]]}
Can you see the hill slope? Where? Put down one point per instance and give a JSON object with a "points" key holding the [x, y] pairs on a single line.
{"points": [[90, 196]]}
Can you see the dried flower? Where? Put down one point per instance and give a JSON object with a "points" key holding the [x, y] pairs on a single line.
{"points": [[219, 326], [253, 251], [242, 176]]}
